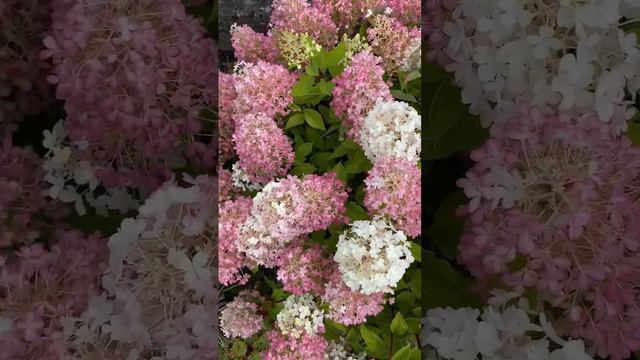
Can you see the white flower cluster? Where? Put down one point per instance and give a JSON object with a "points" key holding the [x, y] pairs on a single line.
{"points": [[300, 315], [372, 256], [159, 283], [565, 53], [337, 350], [392, 129], [503, 331], [73, 180], [241, 180]]}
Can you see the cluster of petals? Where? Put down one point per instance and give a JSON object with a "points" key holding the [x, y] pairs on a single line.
{"points": [[501, 331], [23, 85], [159, 293], [437, 13], [345, 14], [232, 214], [391, 129], [347, 306], [250, 46], [135, 85], [40, 288], [372, 256], [306, 347], [358, 89], [226, 127], [299, 316], [408, 12], [298, 16], [393, 42], [553, 207], [304, 271], [393, 189], [573, 55], [263, 148], [289, 208], [22, 206], [263, 88], [240, 318]]}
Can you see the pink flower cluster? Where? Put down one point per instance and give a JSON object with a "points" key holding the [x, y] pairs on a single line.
{"points": [[287, 209], [393, 189], [306, 347], [232, 214], [136, 78], [264, 88], [298, 16], [392, 42], [262, 147], [24, 211], [554, 207], [345, 13], [227, 95], [304, 271], [39, 288], [251, 47], [437, 14], [349, 307], [358, 89], [409, 12], [240, 317], [23, 85]]}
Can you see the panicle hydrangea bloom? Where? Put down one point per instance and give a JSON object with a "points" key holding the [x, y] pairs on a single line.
{"points": [[354, 45], [372, 256], [135, 84], [240, 317], [22, 206], [286, 209], [409, 12], [306, 347], [568, 54], [358, 89], [296, 49], [501, 331], [263, 148], [391, 129], [298, 16], [23, 85], [304, 271], [40, 287], [300, 316], [553, 204], [240, 179], [73, 179], [393, 42], [250, 46], [338, 350], [232, 214], [437, 13], [393, 189], [226, 127], [346, 14], [159, 285], [263, 88], [347, 306]]}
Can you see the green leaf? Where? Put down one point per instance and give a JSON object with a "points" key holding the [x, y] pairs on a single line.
{"points": [[447, 226], [312, 70], [445, 110], [326, 87], [403, 354], [416, 251], [444, 286], [303, 86], [302, 151], [400, 95], [303, 169], [376, 347], [322, 160], [340, 171], [295, 120], [340, 151], [399, 325], [314, 119], [335, 56], [356, 212]]}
